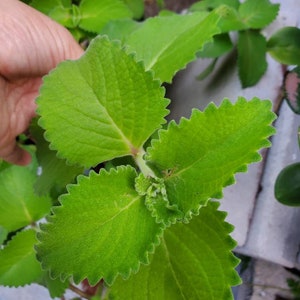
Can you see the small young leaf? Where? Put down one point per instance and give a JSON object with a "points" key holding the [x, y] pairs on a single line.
{"points": [[19, 205], [56, 174], [257, 14], [198, 157], [102, 229], [252, 63], [194, 261], [106, 104], [166, 52], [18, 264], [287, 185], [156, 199], [95, 14], [284, 45]]}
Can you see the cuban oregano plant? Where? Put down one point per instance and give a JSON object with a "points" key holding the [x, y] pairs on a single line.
{"points": [[147, 216], [248, 18], [156, 210]]}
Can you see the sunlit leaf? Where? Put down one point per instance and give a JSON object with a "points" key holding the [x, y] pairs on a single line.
{"points": [[194, 261], [101, 230], [107, 105], [199, 156]]}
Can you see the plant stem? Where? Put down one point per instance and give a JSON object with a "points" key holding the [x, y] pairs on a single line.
{"points": [[139, 160], [79, 291]]}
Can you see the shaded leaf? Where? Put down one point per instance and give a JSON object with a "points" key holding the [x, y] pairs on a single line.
{"points": [[252, 63], [194, 261], [287, 185], [101, 230], [137, 7], [55, 174], [199, 156], [284, 45], [45, 6], [55, 287], [258, 14], [19, 205], [18, 265], [107, 105], [220, 45], [95, 14]]}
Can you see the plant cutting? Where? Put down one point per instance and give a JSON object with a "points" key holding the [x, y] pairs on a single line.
{"points": [[138, 221]]}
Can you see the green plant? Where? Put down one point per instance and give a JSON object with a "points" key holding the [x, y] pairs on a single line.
{"points": [[287, 185], [147, 215], [248, 19]]}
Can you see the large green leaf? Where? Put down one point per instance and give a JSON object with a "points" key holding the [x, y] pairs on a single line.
{"points": [[101, 230], [166, 44], [252, 62], [102, 106], [19, 205], [198, 157], [18, 264], [95, 14], [284, 45], [194, 261], [258, 13]]}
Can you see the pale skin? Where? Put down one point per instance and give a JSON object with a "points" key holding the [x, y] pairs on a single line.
{"points": [[31, 44]]}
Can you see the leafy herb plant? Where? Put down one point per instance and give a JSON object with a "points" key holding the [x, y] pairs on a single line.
{"points": [[248, 19], [139, 221]]}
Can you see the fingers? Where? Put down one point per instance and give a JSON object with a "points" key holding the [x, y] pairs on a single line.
{"points": [[17, 156]]}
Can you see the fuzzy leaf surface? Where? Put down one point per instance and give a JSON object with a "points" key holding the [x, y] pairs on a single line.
{"points": [[187, 263], [257, 14], [95, 14], [106, 104], [199, 156], [166, 52], [19, 205], [252, 63], [18, 264], [102, 229]]}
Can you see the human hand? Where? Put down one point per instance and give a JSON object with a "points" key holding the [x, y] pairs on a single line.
{"points": [[31, 44]]}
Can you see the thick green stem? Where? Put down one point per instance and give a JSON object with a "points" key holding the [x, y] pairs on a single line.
{"points": [[141, 163]]}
